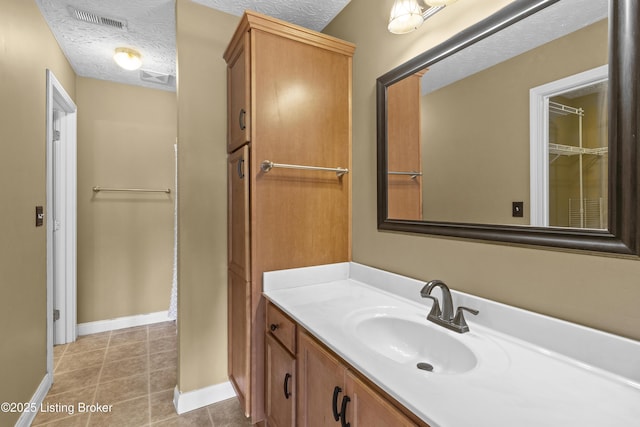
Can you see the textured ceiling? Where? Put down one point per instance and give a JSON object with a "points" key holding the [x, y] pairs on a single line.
{"points": [[150, 29], [555, 21], [89, 47], [313, 14]]}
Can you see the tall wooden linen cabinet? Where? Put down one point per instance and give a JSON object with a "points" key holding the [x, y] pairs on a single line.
{"points": [[404, 181], [289, 103]]}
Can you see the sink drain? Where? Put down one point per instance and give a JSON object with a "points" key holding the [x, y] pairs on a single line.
{"points": [[425, 366]]}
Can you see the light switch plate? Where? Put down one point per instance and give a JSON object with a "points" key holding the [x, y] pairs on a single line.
{"points": [[517, 209], [39, 216]]}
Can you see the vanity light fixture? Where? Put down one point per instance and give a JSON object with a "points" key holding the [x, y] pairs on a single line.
{"points": [[127, 58], [407, 15]]}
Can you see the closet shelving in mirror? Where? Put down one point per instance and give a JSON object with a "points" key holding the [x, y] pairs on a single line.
{"points": [[571, 150], [583, 212]]}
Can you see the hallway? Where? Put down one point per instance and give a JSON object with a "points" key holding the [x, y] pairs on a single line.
{"points": [[129, 377]]}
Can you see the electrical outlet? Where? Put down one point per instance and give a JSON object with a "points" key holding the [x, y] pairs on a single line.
{"points": [[517, 209]]}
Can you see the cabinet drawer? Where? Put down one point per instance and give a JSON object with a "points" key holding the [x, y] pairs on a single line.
{"points": [[281, 327]]}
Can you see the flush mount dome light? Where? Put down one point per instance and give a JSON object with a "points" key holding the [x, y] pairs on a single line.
{"points": [[127, 58], [406, 16]]}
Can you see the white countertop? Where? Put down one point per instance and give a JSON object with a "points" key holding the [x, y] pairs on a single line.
{"points": [[532, 370]]}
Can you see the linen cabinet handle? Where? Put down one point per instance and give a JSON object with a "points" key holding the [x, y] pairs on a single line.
{"points": [[241, 168], [336, 414], [287, 393], [242, 119], [343, 412]]}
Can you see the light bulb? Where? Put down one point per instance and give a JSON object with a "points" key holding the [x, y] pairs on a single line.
{"points": [[129, 59]]}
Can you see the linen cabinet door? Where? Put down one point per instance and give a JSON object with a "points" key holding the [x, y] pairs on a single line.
{"points": [[366, 408], [280, 367], [239, 271], [238, 245], [238, 96], [320, 385]]}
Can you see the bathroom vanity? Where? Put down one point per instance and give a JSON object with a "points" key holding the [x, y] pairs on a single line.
{"points": [[307, 384], [344, 342]]}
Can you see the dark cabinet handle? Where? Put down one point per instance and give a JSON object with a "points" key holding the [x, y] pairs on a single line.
{"points": [[273, 327], [287, 393], [241, 168], [336, 414], [343, 412], [242, 118]]}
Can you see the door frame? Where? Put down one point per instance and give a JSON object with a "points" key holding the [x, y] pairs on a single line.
{"points": [[58, 98], [539, 134]]}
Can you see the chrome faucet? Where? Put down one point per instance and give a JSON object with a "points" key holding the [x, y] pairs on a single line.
{"points": [[445, 316]]}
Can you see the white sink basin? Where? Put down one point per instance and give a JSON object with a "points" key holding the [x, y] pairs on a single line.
{"points": [[410, 339]]}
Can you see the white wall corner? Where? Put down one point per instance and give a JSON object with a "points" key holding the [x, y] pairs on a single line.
{"points": [[191, 400], [32, 409], [122, 322]]}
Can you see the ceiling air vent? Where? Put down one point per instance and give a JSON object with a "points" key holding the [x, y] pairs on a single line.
{"points": [[155, 77], [94, 18]]}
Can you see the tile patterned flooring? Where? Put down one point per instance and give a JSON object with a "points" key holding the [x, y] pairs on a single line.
{"points": [[131, 374]]}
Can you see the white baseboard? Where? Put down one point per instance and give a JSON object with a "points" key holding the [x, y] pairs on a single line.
{"points": [[28, 416], [191, 400], [122, 322]]}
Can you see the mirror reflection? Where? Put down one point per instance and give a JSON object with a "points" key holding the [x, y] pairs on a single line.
{"points": [[511, 130], [578, 158]]}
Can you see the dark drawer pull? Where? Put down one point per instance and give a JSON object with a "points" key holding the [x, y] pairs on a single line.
{"points": [[336, 414], [287, 393], [343, 412], [241, 168], [273, 327], [242, 118]]}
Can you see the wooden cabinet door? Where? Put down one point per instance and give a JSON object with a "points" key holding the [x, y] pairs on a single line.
{"points": [[238, 216], [239, 336], [280, 395], [320, 377], [366, 408], [238, 97], [239, 285]]}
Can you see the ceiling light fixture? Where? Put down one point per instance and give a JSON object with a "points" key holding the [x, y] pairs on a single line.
{"points": [[127, 58], [406, 16]]}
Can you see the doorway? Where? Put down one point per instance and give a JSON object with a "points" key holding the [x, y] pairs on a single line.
{"points": [[563, 154], [61, 182]]}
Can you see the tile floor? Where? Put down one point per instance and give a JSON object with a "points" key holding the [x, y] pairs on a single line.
{"points": [[131, 374]]}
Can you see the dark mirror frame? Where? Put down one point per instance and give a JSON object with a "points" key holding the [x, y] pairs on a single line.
{"points": [[623, 234]]}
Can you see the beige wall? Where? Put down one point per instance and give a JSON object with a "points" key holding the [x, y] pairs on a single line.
{"points": [[202, 36], [126, 137], [597, 291], [476, 130], [27, 49]]}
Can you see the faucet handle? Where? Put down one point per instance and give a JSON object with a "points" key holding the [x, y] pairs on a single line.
{"points": [[459, 321], [435, 307]]}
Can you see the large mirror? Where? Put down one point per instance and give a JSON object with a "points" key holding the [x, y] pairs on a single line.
{"points": [[521, 129]]}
